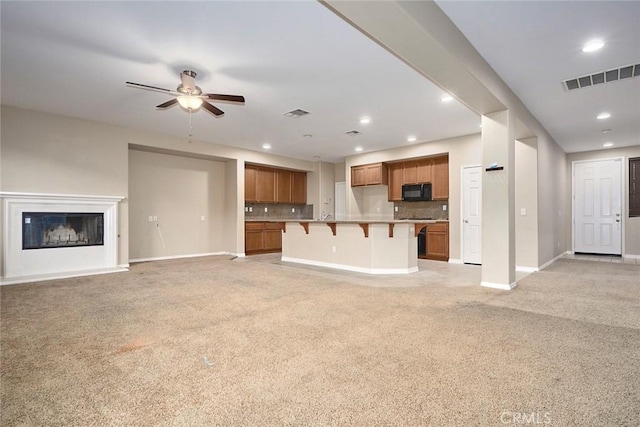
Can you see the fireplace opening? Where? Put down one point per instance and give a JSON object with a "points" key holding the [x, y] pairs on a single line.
{"points": [[41, 230]]}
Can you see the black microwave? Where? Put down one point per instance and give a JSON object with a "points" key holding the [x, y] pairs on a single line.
{"points": [[416, 192]]}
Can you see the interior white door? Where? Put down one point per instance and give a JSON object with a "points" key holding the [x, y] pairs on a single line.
{"points": [[472, 215], [597, 207]]}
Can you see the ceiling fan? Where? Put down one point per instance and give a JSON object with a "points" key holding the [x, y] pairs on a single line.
{"points": [[189, 96]]}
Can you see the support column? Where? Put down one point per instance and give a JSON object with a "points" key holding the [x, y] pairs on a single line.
{"points": [[498, 201]]}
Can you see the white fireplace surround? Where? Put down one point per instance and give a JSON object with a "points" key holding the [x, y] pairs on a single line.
{"points": [[19, 266]]}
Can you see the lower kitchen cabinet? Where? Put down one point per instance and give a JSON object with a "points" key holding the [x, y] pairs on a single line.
{"points": [[262, 237], [438, 241]]}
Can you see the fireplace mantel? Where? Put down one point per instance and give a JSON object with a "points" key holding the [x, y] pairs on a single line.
{"points": [[19, 265]]}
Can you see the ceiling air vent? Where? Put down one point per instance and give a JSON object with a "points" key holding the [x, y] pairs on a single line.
{"points": [[600, 77], [353, 132], [296, 113]]}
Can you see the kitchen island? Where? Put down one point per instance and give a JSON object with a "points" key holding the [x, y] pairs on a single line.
{"points": [[373, 247]]}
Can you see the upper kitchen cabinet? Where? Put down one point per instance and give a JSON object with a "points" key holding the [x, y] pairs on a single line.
{"points": [[271, 185], [373, 174], [299, 188], [440, 187], [396, 179], [434, 170]]}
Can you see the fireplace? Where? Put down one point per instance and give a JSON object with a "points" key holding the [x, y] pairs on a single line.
{"points": [[41, 230], [58, 235]]}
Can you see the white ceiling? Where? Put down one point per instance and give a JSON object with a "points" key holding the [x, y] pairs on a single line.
{"points": [[73, 58], [536, 45]]}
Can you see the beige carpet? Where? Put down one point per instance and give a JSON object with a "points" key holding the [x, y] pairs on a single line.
{"points": [[221, 342]]}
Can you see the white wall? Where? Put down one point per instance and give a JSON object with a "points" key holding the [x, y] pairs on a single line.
{"points": [[526, 176]]}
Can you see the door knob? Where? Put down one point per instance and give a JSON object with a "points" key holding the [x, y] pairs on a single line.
{"points": [[466, 221]]}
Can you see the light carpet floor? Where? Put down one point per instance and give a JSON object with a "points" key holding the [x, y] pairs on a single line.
{"points": [[220, 342]]}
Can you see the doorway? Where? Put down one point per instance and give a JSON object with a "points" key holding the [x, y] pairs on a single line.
{"points": [[597, 206], [472, 215]]}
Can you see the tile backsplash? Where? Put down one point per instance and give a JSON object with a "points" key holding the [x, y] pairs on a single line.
{"points": [[278, 211], [431, 209]]}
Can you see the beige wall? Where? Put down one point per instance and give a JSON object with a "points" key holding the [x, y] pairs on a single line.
{"points": [[463, 151], [46, 153], [187, 196], [526, 170], [631, 237]]}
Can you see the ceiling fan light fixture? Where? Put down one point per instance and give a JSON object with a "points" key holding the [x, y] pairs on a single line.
{"points": [[189, 102]]}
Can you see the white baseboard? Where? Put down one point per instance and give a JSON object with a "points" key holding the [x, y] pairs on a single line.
{"points": [[54, 276], [500, 286], [523, 269], [548, 263], [162, 258], [631, 256], [455, 261], [350, 267]]}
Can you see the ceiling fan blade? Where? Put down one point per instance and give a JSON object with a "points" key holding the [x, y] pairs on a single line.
{"points": [[153, 88], [214, 110], [231, 98], [169, 103]]}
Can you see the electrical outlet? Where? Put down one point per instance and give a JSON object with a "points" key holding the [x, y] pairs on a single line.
{"points": [[523, 211], [293, 210], [246, 209], [444, 207], [396, 209], [150, 218], [155, 218], [266, 209], [250, 209], [333, 249]]}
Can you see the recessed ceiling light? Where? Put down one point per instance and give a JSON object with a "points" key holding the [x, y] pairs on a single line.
{"points": [[592, 46], [446, 98], [603, 116], [608, 144], [365, 120], [411, 138], [266, 146], [358, 149]]}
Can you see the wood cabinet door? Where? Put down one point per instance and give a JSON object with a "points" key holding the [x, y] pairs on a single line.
{"points": [[266, 185], [299, 188], [395, 181], [358, 176], [250, 184], [410, 172], [374, 174], [438, 242], [273, 240], [253, 237], [283, 186], [440, 187], [424, 171]]}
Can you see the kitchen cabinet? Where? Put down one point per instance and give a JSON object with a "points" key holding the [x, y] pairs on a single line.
{"points": [[440, 187], [434, 170], [299, 188], [438, 241], [373, 174], [396, 175], [283, 186], [262, 237], [271, 185]]}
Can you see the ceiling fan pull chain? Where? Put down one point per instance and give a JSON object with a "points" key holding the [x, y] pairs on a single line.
{"points": [[190, 126]]}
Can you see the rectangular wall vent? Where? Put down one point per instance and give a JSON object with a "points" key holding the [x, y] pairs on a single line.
{"points": [[296, 113], [601, 77]]}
